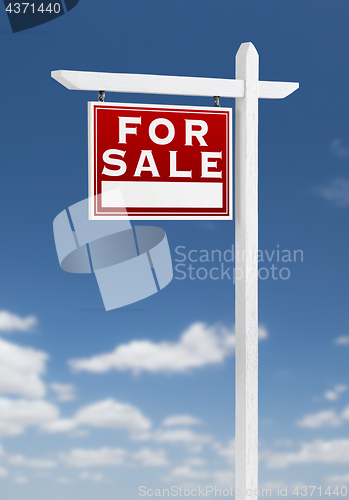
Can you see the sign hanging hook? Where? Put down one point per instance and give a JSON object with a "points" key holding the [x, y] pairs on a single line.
{"points": [[216, 101], [101, 95]]}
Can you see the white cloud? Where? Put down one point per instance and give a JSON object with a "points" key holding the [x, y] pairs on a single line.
{"points": [[42, 474], [37, 463], [345, 413], [343, 340], [331, 395], [275, 485], [87, 476], [109, 414], [64, 480], [283, 443], [10, 322], [83, 458], [187, 472], [338, 479], [79, 433], [195, 462], [193, 441], [184, 420], [263, 333], [341, 388], [200, 345], [20, 479], [113, 415], [60, 425], [334, 394], [336, 192], [339, 149], [226, 451], [79, 457], [151, 458], [224, 479], [64, 392], [20, 370], [17, 415], [3, 472], [319, 451], [327, 418]]}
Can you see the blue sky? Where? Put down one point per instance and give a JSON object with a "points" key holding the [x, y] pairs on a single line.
{"points": [[105, 434]]}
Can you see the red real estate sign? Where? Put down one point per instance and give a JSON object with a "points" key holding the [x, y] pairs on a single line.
{"points": [[159, 162]]}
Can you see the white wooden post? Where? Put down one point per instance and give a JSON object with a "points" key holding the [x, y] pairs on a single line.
{"points": [[246, 277]]}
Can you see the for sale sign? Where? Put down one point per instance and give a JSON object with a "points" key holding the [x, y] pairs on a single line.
{"points": [[159, 162]]}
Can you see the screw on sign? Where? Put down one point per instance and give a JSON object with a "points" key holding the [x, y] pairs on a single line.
{"points": [[167, 162], [26, 15]]}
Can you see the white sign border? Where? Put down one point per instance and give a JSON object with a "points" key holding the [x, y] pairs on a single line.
{"points": [[91, 163]]}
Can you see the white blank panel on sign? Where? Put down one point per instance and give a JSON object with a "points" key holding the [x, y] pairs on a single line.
{"points": [[162, 194]]}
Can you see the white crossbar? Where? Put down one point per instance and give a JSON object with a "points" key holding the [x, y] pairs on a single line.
{"points": [[170, 85]]}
